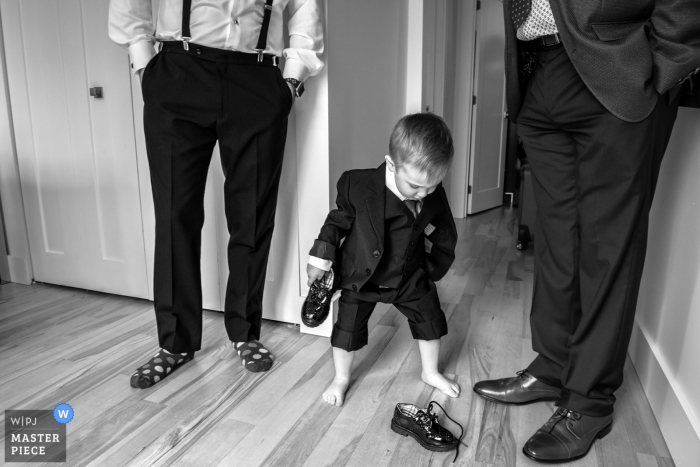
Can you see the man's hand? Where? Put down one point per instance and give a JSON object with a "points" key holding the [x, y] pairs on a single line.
{"points": [[314, 274]]}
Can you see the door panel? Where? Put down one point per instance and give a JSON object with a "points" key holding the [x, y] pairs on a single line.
{"points": [[76, 153], [486, 169]]}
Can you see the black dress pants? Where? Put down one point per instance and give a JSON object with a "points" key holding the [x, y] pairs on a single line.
{"points": [[417, 299], [594, 176], [192, 100]]}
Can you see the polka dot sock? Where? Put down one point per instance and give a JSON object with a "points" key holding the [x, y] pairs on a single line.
{"points": [[161, 365], [254, 356]]}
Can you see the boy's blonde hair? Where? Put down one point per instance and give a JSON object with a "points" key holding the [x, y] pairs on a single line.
{"points": [[424, 141]]}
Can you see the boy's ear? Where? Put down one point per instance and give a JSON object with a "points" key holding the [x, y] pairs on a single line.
{"points": [[390, 163]]}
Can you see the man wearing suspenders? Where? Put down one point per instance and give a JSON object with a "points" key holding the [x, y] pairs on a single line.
{"points": [[215, 79]]}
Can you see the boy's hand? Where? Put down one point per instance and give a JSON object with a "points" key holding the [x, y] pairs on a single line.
{"points": [[314, 274]]}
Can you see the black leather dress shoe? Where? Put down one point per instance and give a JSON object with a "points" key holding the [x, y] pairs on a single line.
{"points": [[521, 389], [567, 436], [317, 304], [422, 425]]}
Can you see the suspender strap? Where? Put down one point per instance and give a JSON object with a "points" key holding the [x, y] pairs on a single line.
{"points": [[262, 40], [186, 35]]}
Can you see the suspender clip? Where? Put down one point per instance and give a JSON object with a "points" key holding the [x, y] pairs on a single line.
{"points": [[274, 60], [260, 54], [185, 41], [268, 7]]}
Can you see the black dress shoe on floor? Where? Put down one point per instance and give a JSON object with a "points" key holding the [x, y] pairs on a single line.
{"points": [[317, 304], [521, 389], [567, 436], [422, 425]]}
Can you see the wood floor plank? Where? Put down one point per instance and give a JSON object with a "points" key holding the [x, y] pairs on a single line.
{"points": [[81, 375], [97, 401], [56, 346], [256, 405], [634, 411], [616, 449], [177, 440], [271, 429], [645, 460], [187, 375], [173, 426], [378, 443], [87, 445], [212, 448]]}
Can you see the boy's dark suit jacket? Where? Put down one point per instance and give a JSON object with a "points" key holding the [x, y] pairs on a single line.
{"points": [[359, 218], [626, 51]]}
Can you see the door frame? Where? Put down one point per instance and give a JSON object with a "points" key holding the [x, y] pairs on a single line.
{"points": [[15, 252], [463, 107]]}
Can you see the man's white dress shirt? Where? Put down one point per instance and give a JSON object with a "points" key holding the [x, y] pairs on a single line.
{"points": [[224, 24]]}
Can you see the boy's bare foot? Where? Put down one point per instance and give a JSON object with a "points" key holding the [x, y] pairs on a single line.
{"points": [[335, 394], [438, 380]]}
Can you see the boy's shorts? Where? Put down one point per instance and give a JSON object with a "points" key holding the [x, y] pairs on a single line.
{"points": [[417, 299]]}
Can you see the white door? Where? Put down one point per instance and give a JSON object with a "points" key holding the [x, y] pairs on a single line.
{"points": [[486, 166], [76, 153]]}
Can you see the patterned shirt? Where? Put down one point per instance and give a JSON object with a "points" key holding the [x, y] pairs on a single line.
{"points": [[539, 23]]}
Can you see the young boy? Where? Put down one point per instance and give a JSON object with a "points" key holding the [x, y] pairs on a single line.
{"points": [[385, 216]]}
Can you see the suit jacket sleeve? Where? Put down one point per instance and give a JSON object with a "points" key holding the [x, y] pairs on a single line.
{"points": [[675, 42], [338, 223], [442, 254]]}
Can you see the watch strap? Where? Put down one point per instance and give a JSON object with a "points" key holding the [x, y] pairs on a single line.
{"points": [[298, 85]]}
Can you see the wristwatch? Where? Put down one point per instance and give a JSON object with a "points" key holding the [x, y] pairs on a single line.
{"points": [[298, 85]]}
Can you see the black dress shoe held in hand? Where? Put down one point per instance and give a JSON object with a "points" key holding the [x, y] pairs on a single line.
{"points": [[521, 389], [422, 425], [314, 310], [567, 436]]}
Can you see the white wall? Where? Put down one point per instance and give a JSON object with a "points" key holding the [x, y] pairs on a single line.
{"points": [[665, 345], [18, 259], [366, 81]]}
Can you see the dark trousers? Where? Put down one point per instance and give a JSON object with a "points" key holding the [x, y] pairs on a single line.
{"points": [[594, 176], [191, 101], [416, 299]]}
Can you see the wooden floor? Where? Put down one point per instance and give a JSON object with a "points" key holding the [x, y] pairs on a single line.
{"points": [[65, 345]]}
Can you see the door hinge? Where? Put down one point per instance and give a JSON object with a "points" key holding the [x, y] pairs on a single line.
{"points": [[469, 190], [478, 4], [473, 100]]}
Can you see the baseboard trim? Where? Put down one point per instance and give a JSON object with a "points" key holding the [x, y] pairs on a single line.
{"points": [[679, 425]]}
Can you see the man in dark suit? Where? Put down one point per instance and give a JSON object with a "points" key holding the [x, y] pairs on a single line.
{"points": [[592, 86], [383, 218]]}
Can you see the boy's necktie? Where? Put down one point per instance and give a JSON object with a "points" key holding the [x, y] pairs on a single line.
{"points": [[519, 11], [414, 206]]}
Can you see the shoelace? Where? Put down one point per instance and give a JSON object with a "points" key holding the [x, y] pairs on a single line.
{"points": [[522, 374], [563, 414], [433, 417], [321, 289]]}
